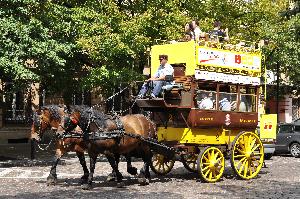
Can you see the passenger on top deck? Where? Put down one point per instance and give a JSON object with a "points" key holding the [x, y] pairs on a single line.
{"points": [[196, 30], [158, 79], [219, 34], [188, 36]]}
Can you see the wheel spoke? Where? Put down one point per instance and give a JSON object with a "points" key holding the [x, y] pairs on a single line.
{"points": [[206, 173], [242, 166], [240, 161], [249, 141], [204, 168], [220, 158], [258, 145], [210, 175], [156, 164], [206, 159], [252, 144], [241, 155], [246, 169], [239, 150], [250, 168], [163, 167]]}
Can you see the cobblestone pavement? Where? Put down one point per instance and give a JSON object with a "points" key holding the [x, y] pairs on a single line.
{"points": [[281, 179]]}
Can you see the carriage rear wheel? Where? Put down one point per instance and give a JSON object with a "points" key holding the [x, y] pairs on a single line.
{"points": [[247, 155], [189, 162], [160, 164], [211, 164]]}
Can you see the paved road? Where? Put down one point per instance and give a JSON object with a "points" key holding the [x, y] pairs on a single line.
{"points": [[281, 179]]}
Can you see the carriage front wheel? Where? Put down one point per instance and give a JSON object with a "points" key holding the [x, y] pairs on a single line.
{"points": [[247, 155], [160, 164], [211, 164]]}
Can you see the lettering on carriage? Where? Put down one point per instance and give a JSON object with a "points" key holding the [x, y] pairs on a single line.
{"points": [[247, 121], [206, 118]]}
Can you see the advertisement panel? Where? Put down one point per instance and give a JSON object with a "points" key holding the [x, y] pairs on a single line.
{"points": [[228, 59]]}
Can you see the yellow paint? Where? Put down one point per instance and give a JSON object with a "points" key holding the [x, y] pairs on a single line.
{"points": [[180, 52], [187, 53], [247, 121], [196, 135], [206, 118], [268, 125]]}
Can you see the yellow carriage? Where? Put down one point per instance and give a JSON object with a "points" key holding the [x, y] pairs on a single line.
{"points": [[206, 135]]}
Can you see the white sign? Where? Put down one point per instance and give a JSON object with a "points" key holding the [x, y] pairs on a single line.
{"points": [[222, 58], [227, 78]]}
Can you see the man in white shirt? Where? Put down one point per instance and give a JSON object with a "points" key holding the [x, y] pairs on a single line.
{"points": [[158, 79]]}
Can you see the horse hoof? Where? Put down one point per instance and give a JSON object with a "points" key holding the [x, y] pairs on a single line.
{"points": [[120, 184], [86, 187], [110, 179], [83, 179], [143, 181], [51, 180], [132, 171]]}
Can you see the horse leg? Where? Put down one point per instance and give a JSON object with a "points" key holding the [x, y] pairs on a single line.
{"points": [[144, 176], [82, 161], [130, 169], [112, 176], [112, 162], [52, 178], [93, 159]]}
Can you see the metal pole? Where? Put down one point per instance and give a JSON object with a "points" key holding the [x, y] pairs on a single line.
{"points": [[277, 91]]}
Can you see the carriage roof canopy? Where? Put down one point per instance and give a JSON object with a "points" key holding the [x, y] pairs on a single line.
{"points": [[211, 63]]}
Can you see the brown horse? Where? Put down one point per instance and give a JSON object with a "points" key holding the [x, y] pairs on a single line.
{"points": [[56, 117], [51, 116], [136, 125]]}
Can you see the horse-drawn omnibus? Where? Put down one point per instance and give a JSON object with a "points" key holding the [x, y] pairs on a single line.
{"points": [[210, 110]]}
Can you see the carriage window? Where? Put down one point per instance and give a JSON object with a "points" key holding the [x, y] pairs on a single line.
{"points": [[206, 96], [228, 98], [247, 99]]}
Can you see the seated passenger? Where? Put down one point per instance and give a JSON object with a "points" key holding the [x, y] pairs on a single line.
{"points": [[219, 34], [158, 79], [188, 36], [197, 33], [206, 102], [225, 104]]}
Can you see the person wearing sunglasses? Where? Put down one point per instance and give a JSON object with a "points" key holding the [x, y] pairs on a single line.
{"points": [[158, 79]]}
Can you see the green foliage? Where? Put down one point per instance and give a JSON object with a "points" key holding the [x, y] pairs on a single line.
{"points": [[75, 45]]}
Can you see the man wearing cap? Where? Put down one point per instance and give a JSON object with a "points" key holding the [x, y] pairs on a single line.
{"points": [[158, 79]]}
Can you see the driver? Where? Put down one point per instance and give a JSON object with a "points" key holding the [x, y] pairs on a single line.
{"points": [[158, 78]]}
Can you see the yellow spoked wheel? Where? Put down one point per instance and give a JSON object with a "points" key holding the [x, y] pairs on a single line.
{"points": [[211, 164], [160, 164], [247, 155], [189, 162]]}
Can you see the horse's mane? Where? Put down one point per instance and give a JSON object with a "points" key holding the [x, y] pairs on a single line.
{"points": [[35, 119], [54, 111], [87, 114]]}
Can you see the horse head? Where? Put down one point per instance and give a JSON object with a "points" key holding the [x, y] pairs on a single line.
{"points": [[45, 118]]}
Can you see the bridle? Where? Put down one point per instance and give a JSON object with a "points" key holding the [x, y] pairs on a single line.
{"points": [[40, 133]]}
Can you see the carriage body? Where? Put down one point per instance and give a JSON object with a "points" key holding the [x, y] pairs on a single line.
{"points": [[218, 72]]}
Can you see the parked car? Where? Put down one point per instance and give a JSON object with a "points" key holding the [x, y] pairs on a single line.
{"points": [[288, 139]]}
